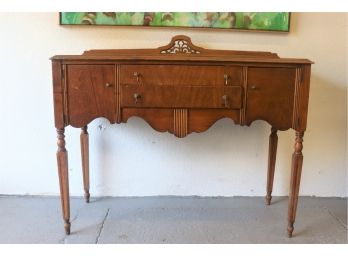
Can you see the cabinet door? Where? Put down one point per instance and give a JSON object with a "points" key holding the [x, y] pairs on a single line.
{"points": [[270, 96], [91, 93]]}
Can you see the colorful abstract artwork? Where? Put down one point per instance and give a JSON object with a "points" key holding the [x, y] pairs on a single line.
{"points": [[263, 21]]}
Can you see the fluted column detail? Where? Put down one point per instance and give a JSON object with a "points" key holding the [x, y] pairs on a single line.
{"points": [[180, 122]]}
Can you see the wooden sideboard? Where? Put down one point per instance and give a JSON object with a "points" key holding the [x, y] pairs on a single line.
{"points": [[181, 88]]}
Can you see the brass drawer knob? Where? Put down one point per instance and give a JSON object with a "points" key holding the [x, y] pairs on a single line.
{"points": [[107, 85], [226, 77], [136, 75], [137, 97], [226, 99], [253, 87]]}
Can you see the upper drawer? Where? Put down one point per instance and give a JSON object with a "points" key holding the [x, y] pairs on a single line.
{"points": [[181, 75]]}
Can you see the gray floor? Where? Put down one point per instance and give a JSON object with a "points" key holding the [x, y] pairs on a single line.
{"points": [[172, 220]]}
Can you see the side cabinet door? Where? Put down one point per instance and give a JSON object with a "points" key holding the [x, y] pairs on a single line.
{"points": [[270, 96], [90, 93]]}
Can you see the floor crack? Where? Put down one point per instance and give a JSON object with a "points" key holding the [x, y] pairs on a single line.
{"points": [[102, 226], [336, 218]]}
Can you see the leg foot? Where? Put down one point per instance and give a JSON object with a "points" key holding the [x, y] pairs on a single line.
{"points": [[87, 196], [67, 227], [290, 229], [272, 153], [268, 199]]}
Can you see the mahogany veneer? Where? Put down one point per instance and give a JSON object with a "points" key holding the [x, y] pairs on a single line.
{"points": [[181, 88]]}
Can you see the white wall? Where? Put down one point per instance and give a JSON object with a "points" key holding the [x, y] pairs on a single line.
{"points": [[132, 159]]}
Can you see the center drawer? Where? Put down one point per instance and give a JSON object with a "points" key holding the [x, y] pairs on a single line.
{"points": [[179, 75], [155, 96]]}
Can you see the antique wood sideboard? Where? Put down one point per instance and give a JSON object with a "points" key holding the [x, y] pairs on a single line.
{"points": [[181, 88]]}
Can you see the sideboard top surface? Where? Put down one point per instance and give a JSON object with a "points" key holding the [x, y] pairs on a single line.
{"points": [[180, 49]]}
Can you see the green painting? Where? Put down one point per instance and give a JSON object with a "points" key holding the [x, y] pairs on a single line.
{"points": [[266, 21]]}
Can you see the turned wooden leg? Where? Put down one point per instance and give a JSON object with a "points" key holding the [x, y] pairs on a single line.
{"points": [[85, 161], [272, 153], [296, 168], [62, 161]]}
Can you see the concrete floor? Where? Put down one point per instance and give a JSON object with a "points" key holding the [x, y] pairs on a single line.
{"points": [[172, 220]]}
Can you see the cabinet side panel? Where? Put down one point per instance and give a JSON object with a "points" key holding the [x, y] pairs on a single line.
{"points": [[303, 98], [58, 94]]}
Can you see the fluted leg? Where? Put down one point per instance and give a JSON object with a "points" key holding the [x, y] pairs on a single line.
{"points": [[296, 168], [272, 153], [62, 161], [85, 161]]}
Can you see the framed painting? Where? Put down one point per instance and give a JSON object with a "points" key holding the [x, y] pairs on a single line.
{"points": [[259, 21]]}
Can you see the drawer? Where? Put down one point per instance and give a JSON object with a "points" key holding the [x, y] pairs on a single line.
{"points": [[228, 97], [181, 75]]}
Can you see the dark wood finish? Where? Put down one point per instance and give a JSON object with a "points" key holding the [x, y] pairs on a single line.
{"points": [[62, 161], [85, 161], [296, 168], [181, 88], [272, 153]]}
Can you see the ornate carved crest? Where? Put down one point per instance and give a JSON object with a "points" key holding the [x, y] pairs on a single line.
{"points": [[180, 45]]}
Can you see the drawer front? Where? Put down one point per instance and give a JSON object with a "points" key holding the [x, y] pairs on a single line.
{"points": [[181, 75], [181, 96]]}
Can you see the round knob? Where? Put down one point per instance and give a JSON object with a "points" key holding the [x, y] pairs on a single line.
{"points": [[226, 77], [253, 87], [137, 97], [107, 85], [226, 99], [136, 75]]}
